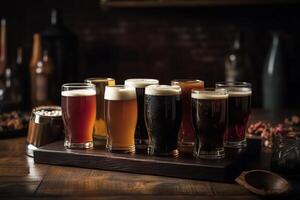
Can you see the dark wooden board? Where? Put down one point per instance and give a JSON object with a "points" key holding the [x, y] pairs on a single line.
{"points": [[184, 166]]}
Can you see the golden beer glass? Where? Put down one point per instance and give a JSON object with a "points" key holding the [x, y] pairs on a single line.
{"points": [[100, 128], [121, 118]]}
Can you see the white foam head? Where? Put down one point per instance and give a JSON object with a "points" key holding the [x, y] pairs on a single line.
{"points": [[239, 92], [141, 82], [163, 90], [119, 92], [209, 94], [78, 92]]}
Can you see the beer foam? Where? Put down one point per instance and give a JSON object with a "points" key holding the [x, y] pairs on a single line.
{"points": [[163, 90], [209, 95], [239, 92], [141, 82], [78, 92], [119, 92]]}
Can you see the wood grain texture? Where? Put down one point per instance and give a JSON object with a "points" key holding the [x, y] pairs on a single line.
{"points": [[146, 197], [21, 178], [74, 181], [183, 167]]}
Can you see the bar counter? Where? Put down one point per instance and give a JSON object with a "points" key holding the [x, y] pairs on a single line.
{"points": [[21, 178]]}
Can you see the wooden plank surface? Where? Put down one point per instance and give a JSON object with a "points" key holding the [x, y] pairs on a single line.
{"points": [[21, 178], [185, 166]]}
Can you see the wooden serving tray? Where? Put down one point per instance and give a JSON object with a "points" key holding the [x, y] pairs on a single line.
{"points": [[185, 166]]}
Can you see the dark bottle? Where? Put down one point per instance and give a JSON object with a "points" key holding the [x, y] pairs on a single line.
{"points": [[43, 86], [10, 85], [273, 76], [61, 44], [237, 61], [13, 83], [35, 58], [23, 80], [3, 48], [3, 60]]}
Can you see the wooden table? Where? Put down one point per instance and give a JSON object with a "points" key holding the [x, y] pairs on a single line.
{"points": [[20, 177]]}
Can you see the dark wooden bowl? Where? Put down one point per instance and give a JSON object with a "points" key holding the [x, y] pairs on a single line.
{"points": [[263, 182]]}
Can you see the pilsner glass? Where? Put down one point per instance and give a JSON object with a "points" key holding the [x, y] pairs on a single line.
{"points": [[209, 115], [239, 105], [186, 132], [100, 131], [78, 105], [141, 135], [121, 117], [162, 118]]}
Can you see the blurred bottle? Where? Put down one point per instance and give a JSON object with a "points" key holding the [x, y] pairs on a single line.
{"points": [[23, 80], [3, 48], [13, 86], [237, 61], [3, 60], [35, 58], [9, 82], [62, 46], [273, 76], [41, 72]]}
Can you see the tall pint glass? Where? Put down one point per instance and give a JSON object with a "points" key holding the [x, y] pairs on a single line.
{"points": [[121, 117], [100, 131], [78, 105], [209, 115], [163, 117], [186, 132], [141, 135], [239, 108]]}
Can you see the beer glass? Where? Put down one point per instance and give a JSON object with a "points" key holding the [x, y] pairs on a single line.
{"points": [[78, 105], [100, 131], [186, 132], [121, 117], [141, 135], [209, 116], [163, 118], [239, 105]]}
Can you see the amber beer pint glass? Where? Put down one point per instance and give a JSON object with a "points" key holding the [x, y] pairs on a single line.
{"points": [[186, 133], [141, 135], [163, 117], [100, 131], [209, 115], [78, 105], [239, 105], [121, 117]]}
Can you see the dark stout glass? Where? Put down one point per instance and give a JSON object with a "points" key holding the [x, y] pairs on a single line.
{"points": [[163, 118], [141, 135], [186, 132], [209, 115], [78, 104], [239, 105]]}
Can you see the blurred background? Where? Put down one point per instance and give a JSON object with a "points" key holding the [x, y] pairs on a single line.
{"points": [[48, 43]]}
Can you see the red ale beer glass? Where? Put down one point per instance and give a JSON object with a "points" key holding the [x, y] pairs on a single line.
{"points": [[78, 105], [239, 107], [186, 133]]}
